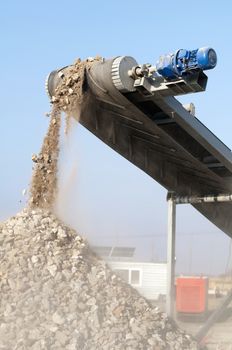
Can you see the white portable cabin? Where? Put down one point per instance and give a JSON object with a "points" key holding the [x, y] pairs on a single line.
{"points": [[148, 278]]}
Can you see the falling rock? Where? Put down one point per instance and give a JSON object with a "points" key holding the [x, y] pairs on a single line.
{"points": [[76, 77]]}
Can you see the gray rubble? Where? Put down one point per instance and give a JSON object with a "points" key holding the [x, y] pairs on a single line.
{"points": [[55, 293]]}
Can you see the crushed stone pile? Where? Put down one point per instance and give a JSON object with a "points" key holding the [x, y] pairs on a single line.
{"points": [[57, 294]]}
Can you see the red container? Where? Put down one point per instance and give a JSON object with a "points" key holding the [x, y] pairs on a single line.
{"points": [[192, 295]]}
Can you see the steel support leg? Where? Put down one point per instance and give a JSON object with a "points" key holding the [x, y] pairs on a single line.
{"points": [[170, 298]]}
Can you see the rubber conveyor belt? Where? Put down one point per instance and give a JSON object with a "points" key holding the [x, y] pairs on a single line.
{"points": [[165, 141], [156, 133]]}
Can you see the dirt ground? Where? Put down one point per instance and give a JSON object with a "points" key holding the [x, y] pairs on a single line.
{"points": [[220, 335]]}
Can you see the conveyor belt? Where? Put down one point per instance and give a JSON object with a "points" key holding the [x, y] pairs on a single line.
{"points": [[165, 141], [141, 120]]}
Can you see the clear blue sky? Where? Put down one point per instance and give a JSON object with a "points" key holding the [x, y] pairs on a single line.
{"points": [[111, 201]]}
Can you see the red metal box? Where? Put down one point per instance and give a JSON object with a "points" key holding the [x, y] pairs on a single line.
{"points": [[192, 294]]}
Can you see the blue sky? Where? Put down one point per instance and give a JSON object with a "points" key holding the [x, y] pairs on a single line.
{"points": [[110, 201]]}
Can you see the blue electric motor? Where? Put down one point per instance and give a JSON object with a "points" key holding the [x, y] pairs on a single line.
{"points": [[184, 62]]}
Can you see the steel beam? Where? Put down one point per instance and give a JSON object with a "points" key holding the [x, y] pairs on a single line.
{"points": [[204, 199], [170, 297], [197, 130]]}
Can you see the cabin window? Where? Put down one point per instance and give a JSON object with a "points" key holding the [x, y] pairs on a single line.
{"points": [[124, 274], [135, 277], [130, 276]]}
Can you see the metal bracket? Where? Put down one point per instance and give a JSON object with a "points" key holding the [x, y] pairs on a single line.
{"points": [[155, 84], [203, 199]]}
